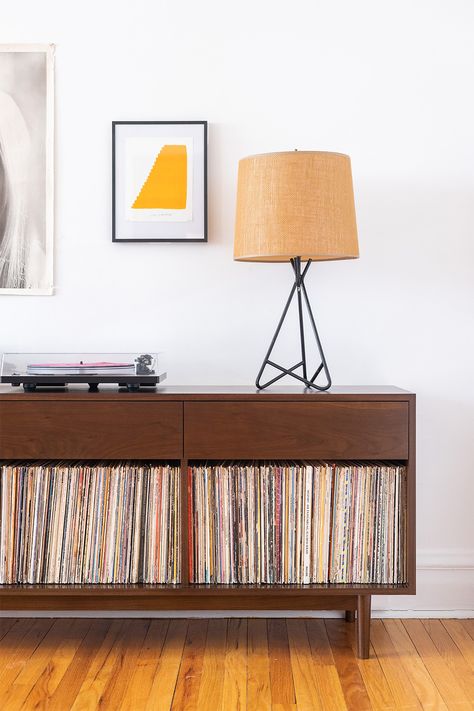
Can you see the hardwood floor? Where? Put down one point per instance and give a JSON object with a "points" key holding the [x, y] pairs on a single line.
{"points": [[234, 664]]}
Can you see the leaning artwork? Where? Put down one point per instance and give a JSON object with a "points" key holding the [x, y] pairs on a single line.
{"points": [[26, 169]]}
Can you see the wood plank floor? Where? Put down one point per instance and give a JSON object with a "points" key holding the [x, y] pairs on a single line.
{"points": [[234, 664]]}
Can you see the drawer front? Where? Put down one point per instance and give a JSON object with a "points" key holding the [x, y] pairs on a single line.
{"points": [[316, 430], [95, 430]]}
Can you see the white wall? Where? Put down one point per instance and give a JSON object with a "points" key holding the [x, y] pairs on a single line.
{"points": [[389, 83]]}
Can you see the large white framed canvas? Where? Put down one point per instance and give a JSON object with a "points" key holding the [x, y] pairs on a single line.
{"points": [[159, 181], [26, 168]]}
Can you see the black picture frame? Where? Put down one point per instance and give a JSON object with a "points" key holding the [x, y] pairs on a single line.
{"points": [[115, 222]]}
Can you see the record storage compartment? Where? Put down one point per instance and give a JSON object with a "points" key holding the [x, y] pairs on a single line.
{"points": [[194, 426], [89, 523], [297, 523]]}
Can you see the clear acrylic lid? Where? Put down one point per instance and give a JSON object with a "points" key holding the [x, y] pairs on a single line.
{"points": [[144, 364]]}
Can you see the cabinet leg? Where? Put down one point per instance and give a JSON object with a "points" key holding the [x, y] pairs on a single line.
{"points": [[363, 626], [350, 615]]}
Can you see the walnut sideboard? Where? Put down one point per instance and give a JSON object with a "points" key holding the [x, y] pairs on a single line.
{"points": [[212, 423]]}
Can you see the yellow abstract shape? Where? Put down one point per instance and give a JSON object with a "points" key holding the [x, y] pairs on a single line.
{"points": [[167, 182]]}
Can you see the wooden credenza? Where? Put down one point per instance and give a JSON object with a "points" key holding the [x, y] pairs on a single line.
{"points": [[196, 424]]}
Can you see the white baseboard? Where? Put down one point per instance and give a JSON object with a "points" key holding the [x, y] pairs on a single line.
{"points": [[445, 559], [444, 583], [208, 614]]}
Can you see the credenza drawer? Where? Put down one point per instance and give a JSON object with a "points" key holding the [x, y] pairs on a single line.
{"points": [[90, 430], [311, 430]]}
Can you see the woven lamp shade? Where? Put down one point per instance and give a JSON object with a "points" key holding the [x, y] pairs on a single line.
{"points": [[295, 204]]}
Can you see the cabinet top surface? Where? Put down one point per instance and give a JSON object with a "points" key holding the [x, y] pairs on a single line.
{"points": [[205, 392]]}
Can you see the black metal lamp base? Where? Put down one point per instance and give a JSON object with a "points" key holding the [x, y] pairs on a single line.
{"points": [[299, 289]]}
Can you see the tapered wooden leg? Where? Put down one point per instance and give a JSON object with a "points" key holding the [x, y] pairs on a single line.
{"points": [[363, 626], [350, 615]]}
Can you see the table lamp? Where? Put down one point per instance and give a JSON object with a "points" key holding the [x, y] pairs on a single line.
{"points": [[296, 206]]}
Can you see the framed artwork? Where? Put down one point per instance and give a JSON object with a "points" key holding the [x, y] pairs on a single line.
{"points": [[159, 181], [26, 168]]}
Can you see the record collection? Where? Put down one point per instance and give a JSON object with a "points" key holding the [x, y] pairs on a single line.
{"points": [[282, 523], [89, 523], [297, 523]]}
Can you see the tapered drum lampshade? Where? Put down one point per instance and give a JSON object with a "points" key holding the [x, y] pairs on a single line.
{"points": [[296, 206], [299, 203]]}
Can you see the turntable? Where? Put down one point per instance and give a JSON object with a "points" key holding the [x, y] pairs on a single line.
{"points": [[39, 370]]}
